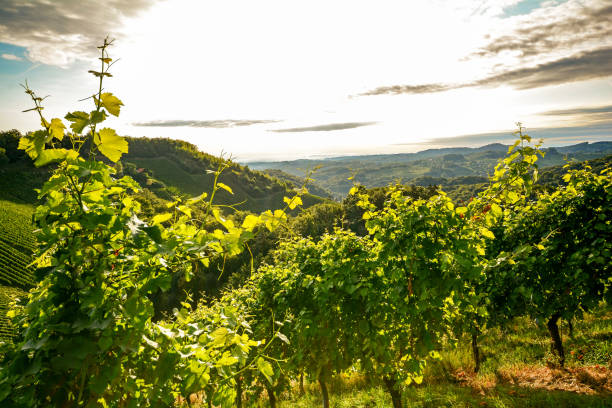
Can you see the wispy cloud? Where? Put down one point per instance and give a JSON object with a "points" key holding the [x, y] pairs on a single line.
{"points": [[225, 123], [60, 32], [552, 136], [409, 89], [563, 30], [593, 110], [326, 128], [11, 57], [579, 67]]}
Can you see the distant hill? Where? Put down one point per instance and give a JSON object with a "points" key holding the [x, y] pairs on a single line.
{"points": [[163, 166], [181, 166], [417, 168], [297, 182]]}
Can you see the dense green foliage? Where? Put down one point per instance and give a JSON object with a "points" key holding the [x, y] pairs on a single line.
{"points": [[85, 336]]}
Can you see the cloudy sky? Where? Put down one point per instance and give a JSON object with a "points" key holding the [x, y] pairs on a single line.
{"points": [[285, 79]]}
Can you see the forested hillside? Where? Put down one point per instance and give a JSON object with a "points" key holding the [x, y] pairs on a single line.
{"points": [[422, 168]]}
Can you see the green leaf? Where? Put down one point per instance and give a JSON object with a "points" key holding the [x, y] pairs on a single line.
{"points": [[250, 222], [282, 337], [265, 368], [79, 120], [293, 202], [487, 233], [97, 116], [511, 148], [110, 144], [227, 359], [33, 143], [54, 155], [56, 129], [496, 210], [111, 103], [150, 342], [225, 187], [219, 336], [160, 218]]}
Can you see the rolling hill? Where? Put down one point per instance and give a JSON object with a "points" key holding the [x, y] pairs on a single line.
{"points": [[431, 164]]}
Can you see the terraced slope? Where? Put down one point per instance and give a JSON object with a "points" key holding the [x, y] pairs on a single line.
{"points": [[7, 295], [16, 244]]}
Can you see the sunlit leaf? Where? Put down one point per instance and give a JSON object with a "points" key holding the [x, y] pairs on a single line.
{"points": [[110, 144]]}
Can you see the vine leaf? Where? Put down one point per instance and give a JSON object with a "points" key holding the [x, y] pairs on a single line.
{"points": [[79, 120], [111, 103], [265, 368], [56, 129], [54, 155], [110, 144], [225, 187]]}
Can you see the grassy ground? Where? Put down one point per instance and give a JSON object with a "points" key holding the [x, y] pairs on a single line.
{"points": [[517, 372]]}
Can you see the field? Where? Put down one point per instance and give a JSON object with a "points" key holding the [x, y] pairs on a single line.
{"points": [[7, 295], [16, 244]]}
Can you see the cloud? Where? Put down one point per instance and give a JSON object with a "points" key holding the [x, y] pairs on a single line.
{"points": [[595, 110], [591, 115], [11, 57], [553, 136], [326, 128], [220, 124], [579, 67], [409, 89], [60, 32], [567, 28]]}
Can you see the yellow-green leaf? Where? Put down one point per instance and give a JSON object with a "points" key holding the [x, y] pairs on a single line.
{"points": [[293, 202], [487, 233], [79, 120], [265, 368], [511, 148], [225, 187], [159, 218], [56, 129], [219, 336], [111, 103], [496, 210], [250, 222], [110, 144], [227, 359], [53, 155]]}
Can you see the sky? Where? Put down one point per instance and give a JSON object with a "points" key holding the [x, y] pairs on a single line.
{"points": [[276, 80]]}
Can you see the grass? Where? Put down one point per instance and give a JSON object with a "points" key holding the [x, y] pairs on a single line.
{"points": [[517, 372]]}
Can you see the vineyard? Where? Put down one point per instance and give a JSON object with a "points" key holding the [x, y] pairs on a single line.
{"points": [[7, 296], [419, 289], [16, 244]]}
